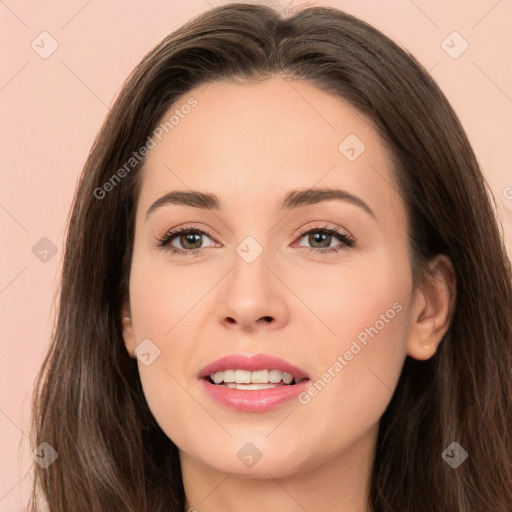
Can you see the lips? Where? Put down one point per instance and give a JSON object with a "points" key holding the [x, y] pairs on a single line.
{"points": [[244, 395]]}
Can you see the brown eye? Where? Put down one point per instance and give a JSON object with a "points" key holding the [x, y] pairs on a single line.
{"points": [[184, 240], [190, 240], [321, 240]]}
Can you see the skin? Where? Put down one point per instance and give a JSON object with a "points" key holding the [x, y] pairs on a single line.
{"points": [[250, 144]]}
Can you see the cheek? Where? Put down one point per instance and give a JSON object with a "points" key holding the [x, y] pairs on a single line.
{"points": [[162, 312], [162, 298], [359, 358], [364, 305], [358, 367]]}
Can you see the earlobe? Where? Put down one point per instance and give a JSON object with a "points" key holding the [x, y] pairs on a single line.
{"points": [[128, 334], [433, 310]]}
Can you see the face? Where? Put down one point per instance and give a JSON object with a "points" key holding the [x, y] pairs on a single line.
{"points": [[321, 281]]}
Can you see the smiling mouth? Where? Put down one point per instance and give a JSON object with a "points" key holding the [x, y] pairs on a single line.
{"points": [[252, 380]]}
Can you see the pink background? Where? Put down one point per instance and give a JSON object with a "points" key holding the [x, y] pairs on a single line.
{"points": [[52, 109]]}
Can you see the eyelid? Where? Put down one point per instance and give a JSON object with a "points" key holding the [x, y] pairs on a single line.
{"points": [[325, 227]]}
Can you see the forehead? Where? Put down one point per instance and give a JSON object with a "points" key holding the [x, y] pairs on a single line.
{"points": [[250, 142]]}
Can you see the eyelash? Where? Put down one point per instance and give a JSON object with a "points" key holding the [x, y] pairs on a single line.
{"points": [[347, 240]]}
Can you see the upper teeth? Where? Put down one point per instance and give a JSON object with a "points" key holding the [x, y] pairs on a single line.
{"points": [[257, 377]]}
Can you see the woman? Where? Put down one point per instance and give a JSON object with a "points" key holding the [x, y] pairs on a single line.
{"points": [[284, 286]]}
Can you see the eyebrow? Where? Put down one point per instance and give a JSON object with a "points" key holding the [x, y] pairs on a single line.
{"points": [[293, 199]]}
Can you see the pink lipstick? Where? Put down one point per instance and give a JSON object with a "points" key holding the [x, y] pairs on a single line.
{"points": [[253, 383]]}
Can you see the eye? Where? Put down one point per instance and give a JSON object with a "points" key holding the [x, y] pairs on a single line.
{"points": [[321, 238], [188, 238]]}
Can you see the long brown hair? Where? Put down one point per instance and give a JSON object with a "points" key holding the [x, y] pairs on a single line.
{"points": [[88, 403]]}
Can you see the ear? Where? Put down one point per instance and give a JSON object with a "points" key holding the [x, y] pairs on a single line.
{"points": [[128, 334], [433, 309]]}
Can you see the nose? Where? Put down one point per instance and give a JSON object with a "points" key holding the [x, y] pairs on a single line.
{"points": [[253, 297]]}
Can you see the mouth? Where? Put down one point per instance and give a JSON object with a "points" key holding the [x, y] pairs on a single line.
{"points": [[252, 383], [253, 380]]}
